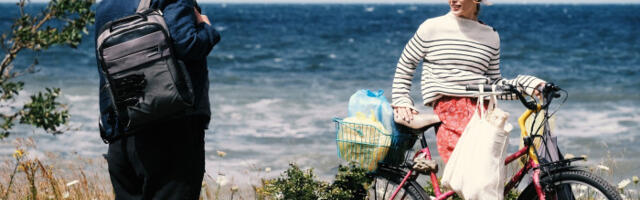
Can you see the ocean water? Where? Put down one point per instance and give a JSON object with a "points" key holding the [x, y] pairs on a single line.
{"points": [[282, 72]]}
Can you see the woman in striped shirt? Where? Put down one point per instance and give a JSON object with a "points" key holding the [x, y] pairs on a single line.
{"points": [[456, 50]]}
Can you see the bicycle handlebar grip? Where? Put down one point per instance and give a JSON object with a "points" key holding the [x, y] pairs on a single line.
{"points": [[486, 88], [552, 87]]}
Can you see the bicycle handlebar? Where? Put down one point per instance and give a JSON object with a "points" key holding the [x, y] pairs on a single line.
{"points": [[549, 92], [486, 88]]}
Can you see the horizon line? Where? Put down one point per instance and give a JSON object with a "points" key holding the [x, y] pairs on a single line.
{"points": [[432, 2]]}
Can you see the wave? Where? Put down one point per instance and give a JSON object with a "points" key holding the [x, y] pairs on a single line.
{"points": [[276, 86]]}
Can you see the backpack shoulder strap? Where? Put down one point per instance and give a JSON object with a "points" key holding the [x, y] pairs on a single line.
{"points": [[144, 5]]}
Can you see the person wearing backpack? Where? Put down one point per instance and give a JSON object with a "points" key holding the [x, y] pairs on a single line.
{"points": [[163, 159]]}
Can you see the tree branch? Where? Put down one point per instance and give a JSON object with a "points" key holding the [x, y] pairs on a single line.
{"points": [[30, 70], [11, 55], [45, 19], [15, 47]]}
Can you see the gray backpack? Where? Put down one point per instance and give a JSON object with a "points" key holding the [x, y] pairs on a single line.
{"points": [[145, 81]]}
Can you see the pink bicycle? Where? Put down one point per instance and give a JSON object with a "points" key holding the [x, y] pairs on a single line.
{"points": [[396, 176]]}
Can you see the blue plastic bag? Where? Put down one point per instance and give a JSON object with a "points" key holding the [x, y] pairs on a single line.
{"points": [[367, 102]]}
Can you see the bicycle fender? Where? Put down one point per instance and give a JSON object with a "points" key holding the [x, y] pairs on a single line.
{"points": [[555, 170]]}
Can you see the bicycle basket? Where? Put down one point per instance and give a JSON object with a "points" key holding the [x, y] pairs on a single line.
{"points": [[368, 146]]}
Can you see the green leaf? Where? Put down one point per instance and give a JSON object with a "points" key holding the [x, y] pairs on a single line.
{"points": [[44, 111]]}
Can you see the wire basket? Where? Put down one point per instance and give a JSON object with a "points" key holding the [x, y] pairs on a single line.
{"points": [[368, 146]]}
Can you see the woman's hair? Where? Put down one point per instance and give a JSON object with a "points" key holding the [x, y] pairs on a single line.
{"points": [[195, 5], [477, 10]]}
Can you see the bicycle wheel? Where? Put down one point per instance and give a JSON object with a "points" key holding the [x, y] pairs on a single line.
{"points": [[387, 180], [574, 184]]}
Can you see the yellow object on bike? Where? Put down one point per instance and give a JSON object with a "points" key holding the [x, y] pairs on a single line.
{"points": [[539, 126], [361, 118], [363, 140]]}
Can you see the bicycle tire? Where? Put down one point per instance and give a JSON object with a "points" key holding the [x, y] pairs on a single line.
{"points": [[588, 180], [386, 181]]}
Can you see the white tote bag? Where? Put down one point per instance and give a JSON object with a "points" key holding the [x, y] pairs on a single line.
{"points": [[476, 169]]}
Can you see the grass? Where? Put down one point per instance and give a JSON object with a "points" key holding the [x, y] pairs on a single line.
{"points": [[48, 177], [26, 176]]}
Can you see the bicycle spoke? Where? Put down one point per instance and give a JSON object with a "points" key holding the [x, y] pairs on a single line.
{"points": [[579, 191], [573, 185], [387, 181], [375, 196], [585, 192], [386, 187], [404, 194], [385, 190]]}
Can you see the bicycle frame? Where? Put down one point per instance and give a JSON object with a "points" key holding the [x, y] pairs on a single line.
{"points": [[532, 163]]}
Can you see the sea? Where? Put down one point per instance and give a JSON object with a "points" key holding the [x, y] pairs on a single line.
{"points": [[282, 72]]}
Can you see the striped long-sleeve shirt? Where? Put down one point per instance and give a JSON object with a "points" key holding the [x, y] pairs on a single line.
{"points": [[455, 52]]}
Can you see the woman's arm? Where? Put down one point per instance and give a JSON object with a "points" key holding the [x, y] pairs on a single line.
{"points": [[523, 83], [414, 51]]}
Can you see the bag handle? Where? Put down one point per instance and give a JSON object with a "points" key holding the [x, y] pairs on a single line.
{"points": [[114, 25], [480, 102], [144, 5], [493, 100]]}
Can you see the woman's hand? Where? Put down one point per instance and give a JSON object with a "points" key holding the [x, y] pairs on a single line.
{"points": [[404, 113], [537, 92], [201, 18]]}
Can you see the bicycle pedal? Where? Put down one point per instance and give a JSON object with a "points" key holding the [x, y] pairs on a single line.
{"points": [[422, 165]]}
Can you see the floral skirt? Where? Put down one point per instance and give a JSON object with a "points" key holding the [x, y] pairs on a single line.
{"points": [[455, 113]]}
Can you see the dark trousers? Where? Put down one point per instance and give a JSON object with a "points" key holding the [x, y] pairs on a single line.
{"points": [[162, 162]]}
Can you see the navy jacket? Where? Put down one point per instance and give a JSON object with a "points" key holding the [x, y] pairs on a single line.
{"points": [[192, 43]]}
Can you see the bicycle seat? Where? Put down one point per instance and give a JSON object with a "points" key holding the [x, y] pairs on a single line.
{"points": [[419, 121]]}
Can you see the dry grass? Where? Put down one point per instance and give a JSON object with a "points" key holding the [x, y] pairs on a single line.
{"points": [[26, 176], [48, 177], [606, 168]]}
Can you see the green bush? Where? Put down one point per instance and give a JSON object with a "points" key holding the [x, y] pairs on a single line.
{"points": [[294, 184], [351, 182]]}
